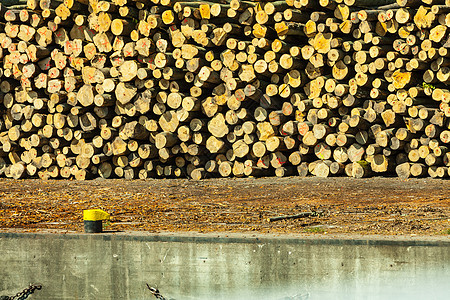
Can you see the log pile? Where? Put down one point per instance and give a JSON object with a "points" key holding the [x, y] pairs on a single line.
{"points": [[166, 88]]}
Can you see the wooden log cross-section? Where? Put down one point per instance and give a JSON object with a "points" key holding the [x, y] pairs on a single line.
{"points": [[201, 89]]}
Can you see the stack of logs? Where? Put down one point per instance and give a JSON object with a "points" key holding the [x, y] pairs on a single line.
{"points": [[167, 88]]}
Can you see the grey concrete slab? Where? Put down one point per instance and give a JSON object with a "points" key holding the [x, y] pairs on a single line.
{"points": [[117, 266]]}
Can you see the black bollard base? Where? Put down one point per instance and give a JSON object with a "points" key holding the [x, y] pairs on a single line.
{"points": [[93, 226]]}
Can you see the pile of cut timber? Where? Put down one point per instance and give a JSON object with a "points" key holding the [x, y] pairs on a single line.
{"points": [[166, 88]]}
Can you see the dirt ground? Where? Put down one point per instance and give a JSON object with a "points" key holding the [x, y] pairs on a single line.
{"points": [[376, 206]]}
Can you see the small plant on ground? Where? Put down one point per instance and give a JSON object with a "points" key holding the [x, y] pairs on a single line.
{"points": [[315, 230]]}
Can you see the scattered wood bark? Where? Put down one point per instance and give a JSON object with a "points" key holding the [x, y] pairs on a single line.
{"points": [[296, 216], [161, 88]]}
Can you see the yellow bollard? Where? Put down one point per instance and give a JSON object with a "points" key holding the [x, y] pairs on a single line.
{"points": [[93, 220]]}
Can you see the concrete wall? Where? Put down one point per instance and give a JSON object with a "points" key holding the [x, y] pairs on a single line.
{"points": [[110, 266]]}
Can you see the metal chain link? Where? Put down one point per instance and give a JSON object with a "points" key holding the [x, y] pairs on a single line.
{"points": [[155, 292], [25, 293]]}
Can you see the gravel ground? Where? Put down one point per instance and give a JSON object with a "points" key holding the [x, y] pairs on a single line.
{"points": [[375, 206]]}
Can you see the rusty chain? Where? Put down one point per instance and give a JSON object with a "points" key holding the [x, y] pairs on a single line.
{"points": [[25, 293], [155, 292]]}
